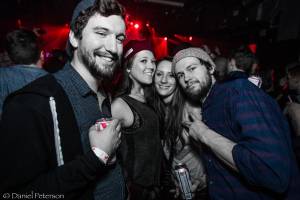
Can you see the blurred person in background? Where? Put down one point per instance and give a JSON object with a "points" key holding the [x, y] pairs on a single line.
{"points": [[292, 109], [243, 60], [55, 60], [24, 50], [221, 68]]}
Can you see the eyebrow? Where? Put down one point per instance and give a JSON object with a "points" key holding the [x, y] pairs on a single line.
{"points": [[97, 28], [100, 28]]}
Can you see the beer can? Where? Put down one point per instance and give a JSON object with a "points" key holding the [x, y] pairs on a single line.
{"points": [[184, 180], [102, 123]]}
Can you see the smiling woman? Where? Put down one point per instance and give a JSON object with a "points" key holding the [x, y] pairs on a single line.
{"points": [[164, 80], [173, 109], [140, 150]]}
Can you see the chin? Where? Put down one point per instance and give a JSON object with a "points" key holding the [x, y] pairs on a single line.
{"points": [[147, 82], [163, 94]]}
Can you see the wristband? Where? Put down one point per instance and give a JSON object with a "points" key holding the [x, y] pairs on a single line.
{"points": [[101, 154]]}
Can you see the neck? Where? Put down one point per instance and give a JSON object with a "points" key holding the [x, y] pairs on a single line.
{"points": [[39, 63], [137, 92], [213, 81], [234, 68], [84, 73]]}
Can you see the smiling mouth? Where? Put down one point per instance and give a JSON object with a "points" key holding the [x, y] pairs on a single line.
{"points": [[106, 60], [149, 73], [164, 87], [109, 58]]}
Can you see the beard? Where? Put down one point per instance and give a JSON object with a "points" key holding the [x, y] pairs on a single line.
{"points": [[102, 72], [201, 92]]}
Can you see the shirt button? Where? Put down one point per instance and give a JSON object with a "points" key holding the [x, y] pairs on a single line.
{"points": [[211, 182], [209, 160]]}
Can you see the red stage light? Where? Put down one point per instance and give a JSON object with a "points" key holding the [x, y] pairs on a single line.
{"points": [[19, 23], [252, 47], [131, 23], [165, 38], [136, 26], [190, 38], [147, 24]]}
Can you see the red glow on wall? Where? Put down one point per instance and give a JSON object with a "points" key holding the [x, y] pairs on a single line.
{"points": [[19, 23], [160, 47], [55, 37]]}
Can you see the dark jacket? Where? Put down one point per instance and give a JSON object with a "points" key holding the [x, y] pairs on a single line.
{"points": [[15, 77], [29, 158]]}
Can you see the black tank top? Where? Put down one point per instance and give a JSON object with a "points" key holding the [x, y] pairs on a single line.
{"points": [[140, 149]]}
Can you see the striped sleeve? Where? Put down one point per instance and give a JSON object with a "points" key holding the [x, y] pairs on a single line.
{"points": [[262, 154]]}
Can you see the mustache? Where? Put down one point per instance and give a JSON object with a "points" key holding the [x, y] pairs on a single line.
{"points": [[190, 83], [113, 56]]}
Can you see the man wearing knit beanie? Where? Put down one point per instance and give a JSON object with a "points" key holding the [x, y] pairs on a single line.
{"points": [[249, 154], [195, 83], [48, 127]]}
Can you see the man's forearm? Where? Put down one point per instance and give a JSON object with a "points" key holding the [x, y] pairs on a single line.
{"points": [[221, 146]]}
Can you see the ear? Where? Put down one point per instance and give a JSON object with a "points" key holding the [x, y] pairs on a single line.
{"points": [[41, 59], [73, 40], [42, 55], [231, 65]]}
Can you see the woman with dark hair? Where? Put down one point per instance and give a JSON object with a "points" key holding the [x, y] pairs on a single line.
{"points": [[173, 109], [140, 150]]}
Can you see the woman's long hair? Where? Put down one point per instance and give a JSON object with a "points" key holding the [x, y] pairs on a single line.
{"points": [[173, 123], [171, 117], [124, 83]]}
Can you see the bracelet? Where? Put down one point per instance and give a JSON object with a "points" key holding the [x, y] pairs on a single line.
{"points": [[102, 155]]}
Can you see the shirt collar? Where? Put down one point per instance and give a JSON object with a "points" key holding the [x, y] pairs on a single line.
{"points": [[76, 79], [236, 75]]}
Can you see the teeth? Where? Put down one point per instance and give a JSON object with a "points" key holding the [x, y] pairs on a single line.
{"points": [[164, 87], [107, 59]]}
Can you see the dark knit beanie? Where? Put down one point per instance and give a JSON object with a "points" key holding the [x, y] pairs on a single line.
{"points": [[80, 8], [135, 46]]}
